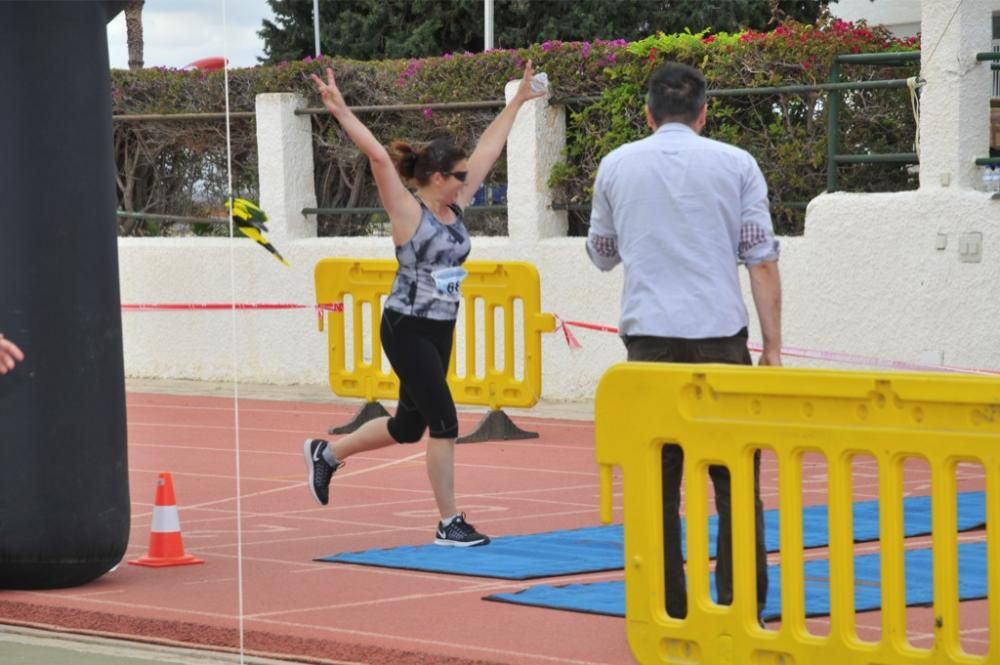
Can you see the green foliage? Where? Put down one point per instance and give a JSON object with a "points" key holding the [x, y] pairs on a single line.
{"points": [[176, 167], [372, 29], [786, 132], [376, 29]]}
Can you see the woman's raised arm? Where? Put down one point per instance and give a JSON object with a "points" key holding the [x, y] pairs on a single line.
{"points": [[402, 208], [492, 141]]}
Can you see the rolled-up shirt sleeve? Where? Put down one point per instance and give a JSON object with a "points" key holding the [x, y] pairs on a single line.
{"points": [[602, 239], [757, 242]]}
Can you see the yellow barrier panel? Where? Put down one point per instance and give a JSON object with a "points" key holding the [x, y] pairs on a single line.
{"points": [[720, 415], [491, 288]]}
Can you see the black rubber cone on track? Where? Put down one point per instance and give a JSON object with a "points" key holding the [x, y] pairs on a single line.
{"points": [[64, 503]]}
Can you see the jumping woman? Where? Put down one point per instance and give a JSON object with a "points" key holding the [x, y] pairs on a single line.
{"points": [[418, 323]]}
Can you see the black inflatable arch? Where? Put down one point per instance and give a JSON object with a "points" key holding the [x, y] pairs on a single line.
{"points": [[64, 504]]}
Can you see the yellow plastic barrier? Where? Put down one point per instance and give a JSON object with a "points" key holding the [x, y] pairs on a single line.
{"points": [[720, 415], [490, 287]]}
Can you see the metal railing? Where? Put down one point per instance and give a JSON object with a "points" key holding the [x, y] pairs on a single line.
{"points": [[586, 205], [834, 157], [996, 49], [213, 115], [184, 219], [834, 86], [374, 211], [993, 57], [386, 108]]}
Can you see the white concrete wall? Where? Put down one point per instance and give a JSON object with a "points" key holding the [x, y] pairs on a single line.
{"points": [[284, 346], [868, 277]]}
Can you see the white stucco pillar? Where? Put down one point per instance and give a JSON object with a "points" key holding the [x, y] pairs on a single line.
{"points": [[534, 146], [285, 166], [954, 104]]}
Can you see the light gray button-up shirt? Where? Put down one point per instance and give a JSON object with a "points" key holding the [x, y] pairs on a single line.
{"points": [[680, 212]]}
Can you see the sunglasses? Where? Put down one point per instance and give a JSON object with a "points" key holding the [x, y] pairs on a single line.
{"points": [[459, 175]]}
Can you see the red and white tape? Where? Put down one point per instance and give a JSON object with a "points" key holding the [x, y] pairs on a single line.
{"points": [[209, 306], [574, 344], [795, 352]]}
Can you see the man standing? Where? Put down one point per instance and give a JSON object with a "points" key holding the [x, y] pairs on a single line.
{"points": [[680, 212]]}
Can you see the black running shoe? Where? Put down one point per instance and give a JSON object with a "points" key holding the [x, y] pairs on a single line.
{"points": [[320, 472], [459, 534]]}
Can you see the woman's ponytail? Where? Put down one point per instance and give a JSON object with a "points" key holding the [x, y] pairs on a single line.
{"points": [[418, 163], [405, 158]]}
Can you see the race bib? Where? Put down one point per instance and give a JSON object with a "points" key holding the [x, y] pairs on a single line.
{"points": [[449, 282]]}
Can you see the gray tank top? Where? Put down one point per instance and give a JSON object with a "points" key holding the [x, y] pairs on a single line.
{"points": [[428, 280]]}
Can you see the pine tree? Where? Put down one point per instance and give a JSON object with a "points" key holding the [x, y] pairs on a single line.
{"points": [[376, 29]]}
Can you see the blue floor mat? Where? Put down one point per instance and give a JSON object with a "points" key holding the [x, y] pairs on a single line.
{"points": [[507, 557], [600, 548], [609, 597]]}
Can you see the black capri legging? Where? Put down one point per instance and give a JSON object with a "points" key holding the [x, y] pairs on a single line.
{"points": [[419, 350]]}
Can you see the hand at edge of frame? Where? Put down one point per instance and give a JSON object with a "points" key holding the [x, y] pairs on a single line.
{"points": [[10, 355]]}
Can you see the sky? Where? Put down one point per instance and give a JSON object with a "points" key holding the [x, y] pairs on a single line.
{"points": [[178, 32]]}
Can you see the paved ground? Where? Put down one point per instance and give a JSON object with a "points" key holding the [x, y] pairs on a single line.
{"points": [[546, 408], [294, 607], [362, 615], [26, 646]]}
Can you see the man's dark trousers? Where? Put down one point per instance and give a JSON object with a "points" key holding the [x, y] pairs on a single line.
{"points": [[733, 351]]}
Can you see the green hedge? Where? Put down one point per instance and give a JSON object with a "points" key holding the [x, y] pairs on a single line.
{"points": [[178, 167], [785, 132]]}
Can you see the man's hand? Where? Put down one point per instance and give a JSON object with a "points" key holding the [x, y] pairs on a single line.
{"points": [[770, 358]]}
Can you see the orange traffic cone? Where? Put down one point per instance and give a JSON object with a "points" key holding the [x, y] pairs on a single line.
{"points": [[166, 548]]}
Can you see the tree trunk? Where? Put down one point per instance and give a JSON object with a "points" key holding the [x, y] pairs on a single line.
{"points": [[133, 33]]}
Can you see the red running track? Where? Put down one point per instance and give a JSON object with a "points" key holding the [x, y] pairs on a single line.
{"points": [[293, 607]]}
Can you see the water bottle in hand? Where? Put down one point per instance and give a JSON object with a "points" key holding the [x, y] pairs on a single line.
{"points": [[540, 82]]}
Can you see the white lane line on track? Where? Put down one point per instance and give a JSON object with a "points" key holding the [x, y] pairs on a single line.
{"points": [[549, 445], [404, 641], [331, 412], [283, 489], [479, 587], [361, 530], [382, 637]]}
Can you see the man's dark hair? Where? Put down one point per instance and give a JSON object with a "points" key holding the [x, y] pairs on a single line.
{"points": [[676, 93]]}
